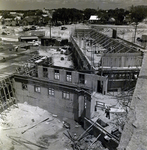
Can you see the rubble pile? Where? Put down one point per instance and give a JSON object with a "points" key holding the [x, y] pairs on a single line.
{"points": [[118, 109]]}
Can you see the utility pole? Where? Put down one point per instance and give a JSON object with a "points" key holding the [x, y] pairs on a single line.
{"points": [[50, 29], [135, 32], [50, 18], [91, 53]]}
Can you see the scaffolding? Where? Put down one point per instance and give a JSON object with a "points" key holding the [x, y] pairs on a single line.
{"points": [[7, 93]]}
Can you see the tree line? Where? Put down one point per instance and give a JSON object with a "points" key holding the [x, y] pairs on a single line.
{"points": [[67, 16], [72, 15]]}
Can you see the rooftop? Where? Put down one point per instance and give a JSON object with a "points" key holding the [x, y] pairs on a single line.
{"points": [[57, 57], [94, 17]]}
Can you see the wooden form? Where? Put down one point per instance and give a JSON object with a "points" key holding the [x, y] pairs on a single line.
{"points": [[7, 94]]}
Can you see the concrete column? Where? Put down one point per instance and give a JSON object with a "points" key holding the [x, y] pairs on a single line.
{"points": [[122, 61], [84, 46], [81, 104], [105, 86], [88, 110], [51, 73], [75, 77], [62, 75], [75, 106], [92, 107], [40, 71], [78, 37], [80, 41]]}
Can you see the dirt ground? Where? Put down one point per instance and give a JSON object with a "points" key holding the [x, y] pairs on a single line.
{"points": [[28, 127], [25, 127]]}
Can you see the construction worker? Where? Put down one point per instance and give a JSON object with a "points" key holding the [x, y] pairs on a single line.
{"points": [[107, 111]]}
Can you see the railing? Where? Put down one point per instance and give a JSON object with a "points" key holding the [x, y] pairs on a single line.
{"points": [[100, 104]]}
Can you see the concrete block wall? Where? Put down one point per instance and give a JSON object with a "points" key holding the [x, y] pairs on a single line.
{"points": [[116, 59], [122, 60], [81, 60], [54, 104], [90, 79]]}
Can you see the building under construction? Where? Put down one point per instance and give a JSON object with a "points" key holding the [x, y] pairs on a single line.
{"points": [[63, 79]]}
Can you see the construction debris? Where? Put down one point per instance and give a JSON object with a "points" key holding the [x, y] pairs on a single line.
{"points": [[23, 142], [82, 142]]}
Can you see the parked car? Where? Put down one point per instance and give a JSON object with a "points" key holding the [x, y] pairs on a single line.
{"points": [[4, 27], [4, 33], [36, 44], [26, 29], [63, 28], [139, 39], [33, 28]]}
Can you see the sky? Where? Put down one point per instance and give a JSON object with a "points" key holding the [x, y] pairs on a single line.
{"points": [[79, 4]]}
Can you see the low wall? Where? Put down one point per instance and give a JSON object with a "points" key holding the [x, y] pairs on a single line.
{"points": [[134, 133]]}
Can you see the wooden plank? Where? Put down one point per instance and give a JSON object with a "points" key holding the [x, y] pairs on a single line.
{"points": [[34, 125]]}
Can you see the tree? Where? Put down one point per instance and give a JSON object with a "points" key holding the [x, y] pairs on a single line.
{"points": [[66, 16], [119, 15], [88, 12], [104, 17], [7, 14], [38, 12], [138, 13]]}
